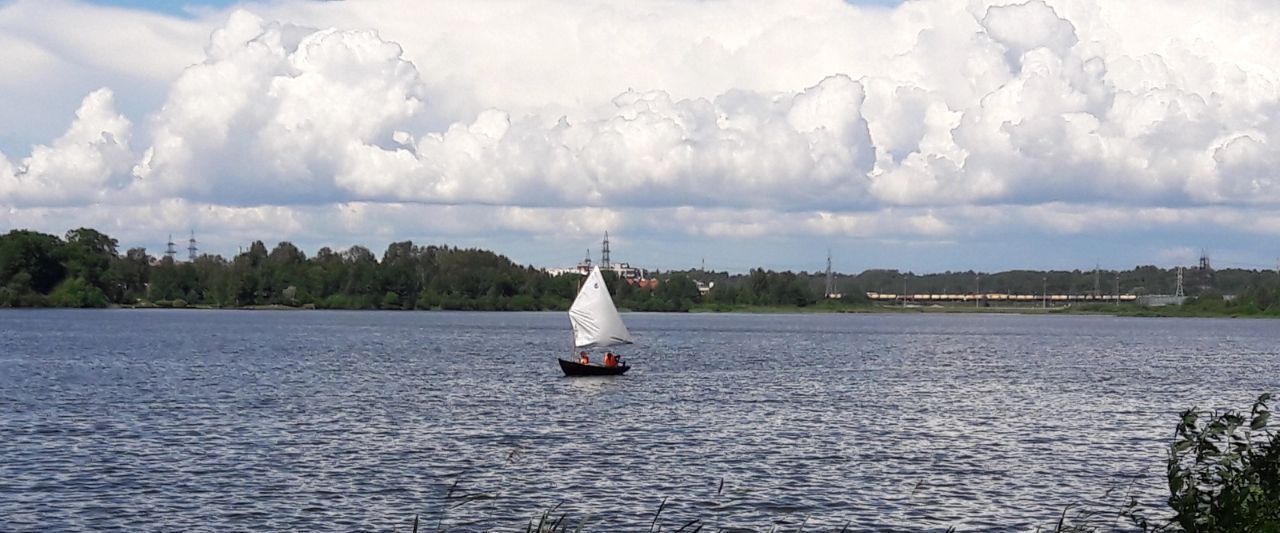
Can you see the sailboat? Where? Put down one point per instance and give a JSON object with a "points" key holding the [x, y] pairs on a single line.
{"points": [[596, 324]]}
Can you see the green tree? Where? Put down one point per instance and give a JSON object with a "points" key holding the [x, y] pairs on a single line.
{"points": [[678, 293], [88, 255], [131, 273], [165, 281], [361, 284], [401, 272], [77, 292], [37, 255], [284, 267]]}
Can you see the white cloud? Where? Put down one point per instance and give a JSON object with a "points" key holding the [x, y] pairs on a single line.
{"points": [[1249, 166], [80, 38], [1021, 28], [54, 52], [819, 118], [6, 170], [83, 165], [278, 114]]}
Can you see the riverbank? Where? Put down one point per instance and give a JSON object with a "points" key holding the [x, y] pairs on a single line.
{"points": [[1127, 310]]}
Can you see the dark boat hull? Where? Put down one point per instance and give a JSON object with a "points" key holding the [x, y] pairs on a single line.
{"points": [[571, 368]]}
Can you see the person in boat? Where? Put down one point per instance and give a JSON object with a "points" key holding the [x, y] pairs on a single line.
{"points": [[612, 359], [583, 359]]}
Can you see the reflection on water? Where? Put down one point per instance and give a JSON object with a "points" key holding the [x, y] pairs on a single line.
{"points": [[166, 420]]}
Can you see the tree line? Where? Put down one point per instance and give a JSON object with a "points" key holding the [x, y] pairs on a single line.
{"points": [[85, 268]]}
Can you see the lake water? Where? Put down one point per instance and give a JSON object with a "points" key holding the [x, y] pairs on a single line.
{"points": [[157, 420]]}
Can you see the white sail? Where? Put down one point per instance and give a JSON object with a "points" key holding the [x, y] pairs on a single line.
{"points": [[596, 323]]}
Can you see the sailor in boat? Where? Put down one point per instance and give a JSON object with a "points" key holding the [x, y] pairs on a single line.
{"points": [[596, 325]]}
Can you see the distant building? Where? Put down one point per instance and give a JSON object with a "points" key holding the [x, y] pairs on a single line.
{"points": [[1160, 300], [583, 268], [650, 283], [623, 270]]}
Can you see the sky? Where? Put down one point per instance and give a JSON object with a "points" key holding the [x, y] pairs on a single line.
{"points": [[927, 135], [172, 7]]}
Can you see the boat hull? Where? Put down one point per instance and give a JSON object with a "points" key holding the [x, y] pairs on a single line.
{"points": [[571, 368]]}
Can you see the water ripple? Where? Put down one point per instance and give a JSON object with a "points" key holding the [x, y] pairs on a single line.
{"points": [[215, 421]]}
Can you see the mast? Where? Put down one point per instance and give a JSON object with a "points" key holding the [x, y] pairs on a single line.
{"points": [[573, 334]]}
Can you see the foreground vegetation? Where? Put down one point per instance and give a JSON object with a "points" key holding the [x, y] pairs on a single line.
{"points": [[84, 268], [1223, 474]]}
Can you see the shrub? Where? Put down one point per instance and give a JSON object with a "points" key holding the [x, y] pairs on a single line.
{"points": [[1223, 473], [523, 302], [77, 292]]}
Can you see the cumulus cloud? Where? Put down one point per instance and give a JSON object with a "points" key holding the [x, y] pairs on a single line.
{"points": [[284, 114], [84, 164], [6, 170], [273, 113], [824, 118], [1021, 28], [54, 52], [738, 149]]}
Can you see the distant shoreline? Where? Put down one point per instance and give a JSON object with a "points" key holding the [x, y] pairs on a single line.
{"points": [[1126, 311]]}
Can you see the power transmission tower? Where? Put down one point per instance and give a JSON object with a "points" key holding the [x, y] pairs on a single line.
{"points": [[1206, 271], [604, 253], [831, 281], [1179, 292], [1097, 280], [170, 251], [191, 247], [1117, 289]]}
